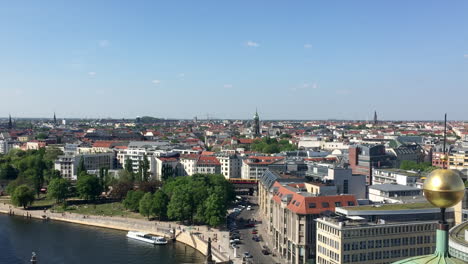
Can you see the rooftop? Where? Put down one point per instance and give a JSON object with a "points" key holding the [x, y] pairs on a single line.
{"points": [[388, 187], [389, 207]]}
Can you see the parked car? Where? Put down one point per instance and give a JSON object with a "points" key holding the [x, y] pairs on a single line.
{"points": [[265, 252], [254, 232]]}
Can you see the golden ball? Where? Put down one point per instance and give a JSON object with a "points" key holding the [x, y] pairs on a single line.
{"points": [[444, 188]]}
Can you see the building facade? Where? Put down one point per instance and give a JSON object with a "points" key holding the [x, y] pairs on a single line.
{"points": [[344, 240]]}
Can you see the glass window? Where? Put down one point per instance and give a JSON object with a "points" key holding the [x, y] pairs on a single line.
{"points": [[312, 205], [325, 205], [337, 204]]}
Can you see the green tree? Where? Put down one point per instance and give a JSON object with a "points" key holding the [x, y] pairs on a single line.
{"points": [[120, 189], [58, 189], [132, 201], [11, 187], [8, 172], [166, 172], [145, 168], [159, 205], [181, 206], [129, 165], [23, 196], [52, 153], [81, 167], [214, 210], [88, 187], [51, 174], [146, 204]]}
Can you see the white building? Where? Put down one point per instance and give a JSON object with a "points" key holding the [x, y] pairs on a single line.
{"points": [[68, 164], [231, 165], [254, 167], [397, 176], [394, 193], [188, 164]]}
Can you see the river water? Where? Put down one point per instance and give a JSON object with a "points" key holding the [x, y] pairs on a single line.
{"points": [[58, 242]]}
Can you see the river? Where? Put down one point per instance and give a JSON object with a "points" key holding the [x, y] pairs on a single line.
{"points": [[58, 242]]}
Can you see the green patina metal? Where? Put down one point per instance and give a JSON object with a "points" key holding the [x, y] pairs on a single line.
{"points": [[440, 256]]}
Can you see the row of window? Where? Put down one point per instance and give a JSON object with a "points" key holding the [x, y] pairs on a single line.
{"points": [[329, 253], [388, 254], [366, 232], [327, 205], [394, 242], [328, 241]]}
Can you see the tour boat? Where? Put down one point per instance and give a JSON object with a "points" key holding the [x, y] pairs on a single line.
{"points": [[147, 238]]}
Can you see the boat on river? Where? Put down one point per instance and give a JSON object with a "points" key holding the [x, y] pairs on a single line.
{"points": [[155, 240]]}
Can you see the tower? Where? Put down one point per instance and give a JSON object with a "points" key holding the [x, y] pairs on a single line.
{"points": [[55, 119], [256, 127], [375, 118], [10, 123]]}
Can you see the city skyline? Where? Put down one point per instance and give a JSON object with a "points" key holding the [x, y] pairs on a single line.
{"points": [[308, 61]]}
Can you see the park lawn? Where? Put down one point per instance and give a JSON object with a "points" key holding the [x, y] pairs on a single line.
{"points": [[106, 209]]}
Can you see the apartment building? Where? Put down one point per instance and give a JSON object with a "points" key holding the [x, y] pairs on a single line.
{"points": [[253, 167], [355, 240], [208, 165], [231, 165], [364, 158], [396, 176], [289, 211], [188, 164], [394, 193], [458, 160], [68, 164]]}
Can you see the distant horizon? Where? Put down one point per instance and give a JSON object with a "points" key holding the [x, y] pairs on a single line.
{"points": [[231, 119]]}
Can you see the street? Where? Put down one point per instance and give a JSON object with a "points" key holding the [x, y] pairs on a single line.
{"points": [[247, 243]]}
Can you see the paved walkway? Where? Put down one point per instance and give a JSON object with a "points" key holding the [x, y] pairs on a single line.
{"points": [[195, 236]]}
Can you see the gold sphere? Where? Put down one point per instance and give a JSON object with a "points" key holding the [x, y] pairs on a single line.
{"points": [[444, 188]]}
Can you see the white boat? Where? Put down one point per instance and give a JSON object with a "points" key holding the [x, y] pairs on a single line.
{"points": [[156, 240]]}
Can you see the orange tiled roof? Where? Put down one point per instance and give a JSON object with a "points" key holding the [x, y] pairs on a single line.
{"points": [[300, 204]]}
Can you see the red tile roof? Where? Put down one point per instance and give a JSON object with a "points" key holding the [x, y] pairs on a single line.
{"points": [[208, 160], [300, 203]]}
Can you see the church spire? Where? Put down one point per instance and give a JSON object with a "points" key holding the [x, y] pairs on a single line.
{"points": [[256, 127], [10, 123], [375, 118], [55, 119]]}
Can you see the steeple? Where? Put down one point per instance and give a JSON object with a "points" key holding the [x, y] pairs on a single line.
{"points": [[55, 119], [10, 123], [256, 126], [375, 118]]}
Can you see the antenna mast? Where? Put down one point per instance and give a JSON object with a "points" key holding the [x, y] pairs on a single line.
{"points": [[445, 140]]}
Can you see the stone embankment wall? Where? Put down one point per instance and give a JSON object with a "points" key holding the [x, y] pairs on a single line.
{"points": [[183, 234]]}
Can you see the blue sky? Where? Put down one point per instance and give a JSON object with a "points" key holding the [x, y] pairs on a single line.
{"points": [[179, 59]]}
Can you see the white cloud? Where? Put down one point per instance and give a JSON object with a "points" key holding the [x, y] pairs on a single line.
{"points": [[465, 56], [156, 82], [308, 85], [91, 73], [228, 86], [307, 46], [181, 75], [252, 44], [104, 43]]}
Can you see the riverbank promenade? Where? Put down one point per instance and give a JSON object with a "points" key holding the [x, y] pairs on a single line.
{"points": [[194, 236]]}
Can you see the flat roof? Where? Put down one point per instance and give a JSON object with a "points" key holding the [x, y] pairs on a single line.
{"points": [[389, 207], [388, 187]]}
